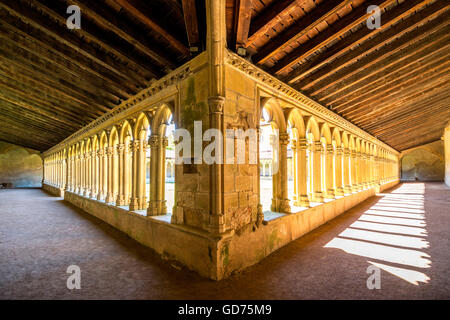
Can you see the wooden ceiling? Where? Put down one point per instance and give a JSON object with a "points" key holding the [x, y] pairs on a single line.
{"points": [[392, 82], [54, 81]]}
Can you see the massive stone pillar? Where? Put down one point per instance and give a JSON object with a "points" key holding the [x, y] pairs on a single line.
{"points": [[317, 174], [330, 191]]}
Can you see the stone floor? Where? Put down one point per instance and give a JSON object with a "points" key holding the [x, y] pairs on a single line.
{"points": [[405, 232]]}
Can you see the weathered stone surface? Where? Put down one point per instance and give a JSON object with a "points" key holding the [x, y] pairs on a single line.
{"points": [[424, 163], [20, 167]]}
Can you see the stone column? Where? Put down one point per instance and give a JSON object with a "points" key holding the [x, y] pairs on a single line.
{"points": [[120, 200], [353, 169], [317, 167], [79, 186], [329, 170], [127, 179], [259, 209], [135, 171], [157, 205], [68, 174], [294, 168], [283, 196], [363, 181], [142, 175], [302, 199], [371, 175], [338, 172], [100, 155], [216, 104], [110, 151], [93, 193], [87, 174]]}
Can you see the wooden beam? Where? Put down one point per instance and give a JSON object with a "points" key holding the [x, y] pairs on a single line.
{"points": [[272, 14], [242, 16], [398, 79], [430, 86], [333, 32], [298, 30], [191, 23], [360, 38], [141, 69], [29, 72], [137, 10], [54, 116], [71, 39], [417, 60], [124, 29], [48, 94], [73, 64], [396, 51], [378, 121]]}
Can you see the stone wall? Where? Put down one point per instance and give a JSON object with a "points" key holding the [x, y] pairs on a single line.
{"points": [[20, 167], [423, 163], [446, 139]]}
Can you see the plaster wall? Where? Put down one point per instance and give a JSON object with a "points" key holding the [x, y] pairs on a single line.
{"points": [[423, 163], [446, 141], [20, 167]]}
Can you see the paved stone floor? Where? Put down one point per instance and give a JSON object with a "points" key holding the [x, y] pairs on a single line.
{"points": [[404, 232]]}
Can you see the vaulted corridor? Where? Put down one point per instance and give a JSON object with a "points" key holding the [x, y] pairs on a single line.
{"points": [[403, 231]]}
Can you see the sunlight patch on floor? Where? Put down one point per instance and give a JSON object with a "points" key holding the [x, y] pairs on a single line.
{"points": [[391, 231]]}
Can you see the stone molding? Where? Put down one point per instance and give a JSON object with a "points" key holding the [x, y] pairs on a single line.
{"points": [[132, 105], [306, 103]]}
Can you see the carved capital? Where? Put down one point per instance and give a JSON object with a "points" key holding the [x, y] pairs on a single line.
{"points": [[318, 146], [216, 104], [154, 141], [135, 145], [284, 138], [120, 148]]}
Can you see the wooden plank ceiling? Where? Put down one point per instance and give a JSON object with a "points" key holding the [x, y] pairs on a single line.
{"points": [[392, 82], [54, 81]]}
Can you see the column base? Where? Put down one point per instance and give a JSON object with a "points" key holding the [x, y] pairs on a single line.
{"points": [[348, 189], [302, 201], [110, 198], [134, 204], [329, 194], [285, 206], [317, 197], [340, 191], [157, 208], [120, 201]]}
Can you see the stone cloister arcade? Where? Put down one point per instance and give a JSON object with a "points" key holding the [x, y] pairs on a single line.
{"points": [[110, 166], [103, 168], [327, 161]]}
